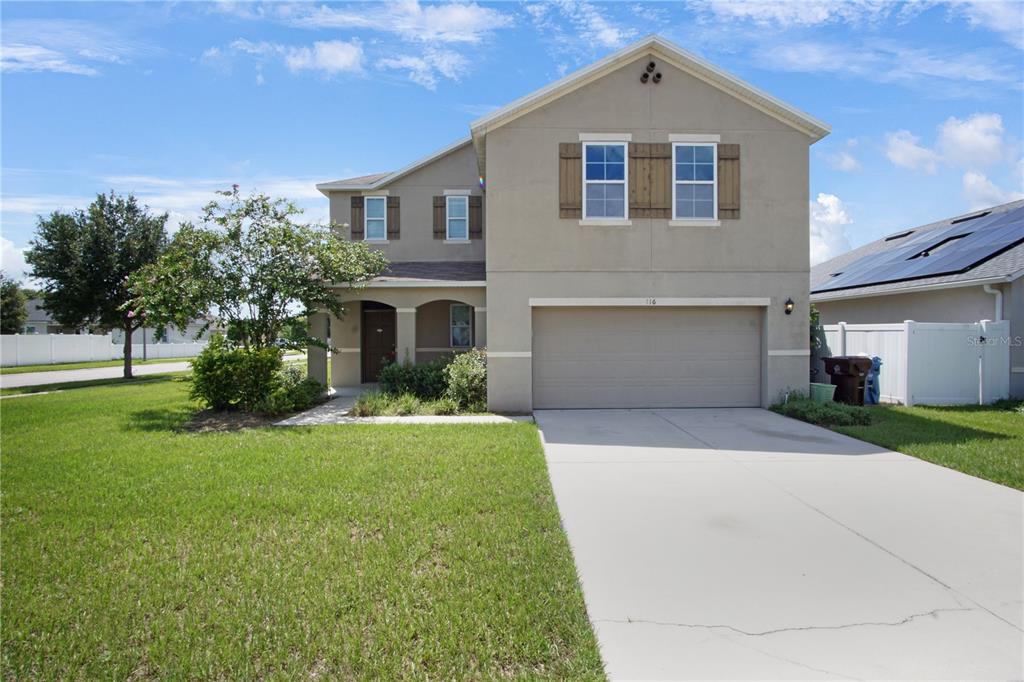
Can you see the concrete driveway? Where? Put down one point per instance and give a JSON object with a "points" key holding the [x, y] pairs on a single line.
{"points": [[738, 544]]}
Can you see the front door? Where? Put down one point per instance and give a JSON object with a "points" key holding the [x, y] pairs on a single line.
{"points": [[378, 341]]}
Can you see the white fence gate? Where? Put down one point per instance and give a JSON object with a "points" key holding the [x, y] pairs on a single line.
{"points": [[930, 363], [51, 349]]}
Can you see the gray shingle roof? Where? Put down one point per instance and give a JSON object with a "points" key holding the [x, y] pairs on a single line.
{"points": [[1005, 264], [441, 271]]}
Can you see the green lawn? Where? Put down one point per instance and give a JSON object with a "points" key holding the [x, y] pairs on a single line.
{"points": [[133, 550], [983, 441], [83, 365]]}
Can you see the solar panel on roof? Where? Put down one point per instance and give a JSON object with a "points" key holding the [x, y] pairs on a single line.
{"points": [[952, 249]]}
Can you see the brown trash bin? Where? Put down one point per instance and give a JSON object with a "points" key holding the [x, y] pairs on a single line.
{"points": [[849, 374]]}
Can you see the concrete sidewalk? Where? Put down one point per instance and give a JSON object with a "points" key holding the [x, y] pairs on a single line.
{"points": [[738, 544]]}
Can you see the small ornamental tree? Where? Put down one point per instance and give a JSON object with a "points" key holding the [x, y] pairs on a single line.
{"points": [[12, 306], [252, 270], [84, 259]]}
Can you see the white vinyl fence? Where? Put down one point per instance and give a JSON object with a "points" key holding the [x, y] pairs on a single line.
{"points": [[930, 363], [51, 349]]}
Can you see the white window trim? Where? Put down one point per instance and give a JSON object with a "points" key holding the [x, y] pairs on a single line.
{"points": [[448, 239], [451, 324], [702, 222], [598, 220], [366, 219]]}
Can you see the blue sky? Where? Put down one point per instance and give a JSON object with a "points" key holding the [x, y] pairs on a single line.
{"points": [[174, 100]]}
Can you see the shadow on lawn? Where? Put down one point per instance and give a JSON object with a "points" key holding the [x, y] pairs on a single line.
{"points": [[166, 419], [893, 428]]}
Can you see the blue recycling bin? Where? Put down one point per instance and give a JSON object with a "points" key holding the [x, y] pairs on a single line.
{"points": [[871, 391]]}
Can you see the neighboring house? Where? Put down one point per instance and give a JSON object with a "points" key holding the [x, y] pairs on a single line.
{"points": [[599, 238], [962, 269], [40, 321], [192, 333]]}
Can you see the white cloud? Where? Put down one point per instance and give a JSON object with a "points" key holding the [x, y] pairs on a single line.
{"points": [[454, 22], [593, 25], [789, 14], [64, 46], [329, 56], [902, 149], [975, 142], [1004, 18], [12, 260], [982, 192], [843, 161], [950, 74], [426, 68], [576, 31], [828, 228], [38, 58]]}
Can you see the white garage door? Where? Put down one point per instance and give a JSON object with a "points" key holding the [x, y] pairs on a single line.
{"points": [[646, 357]]}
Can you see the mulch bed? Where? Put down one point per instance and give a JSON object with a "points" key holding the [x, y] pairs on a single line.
{"points": [[210, 421]]}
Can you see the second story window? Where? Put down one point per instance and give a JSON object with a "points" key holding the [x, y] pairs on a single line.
{"points": [[376, 228], [457, 213], [694, 186], [604, 180]]}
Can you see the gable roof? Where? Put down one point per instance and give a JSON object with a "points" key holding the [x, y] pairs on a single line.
{"points": [[378, 180], [1003, 267], [671, 53]]}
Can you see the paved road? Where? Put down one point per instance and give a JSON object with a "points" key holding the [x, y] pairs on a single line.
{"points": [[737, 544], [68, 375]]}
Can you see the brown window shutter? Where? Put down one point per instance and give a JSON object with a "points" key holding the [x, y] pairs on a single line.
{"points": [[570, 180], [356, 219], [661, 180], [728, 181], [639, 179], [440, 215], [650, 180], [476, 216], [394, 218]]}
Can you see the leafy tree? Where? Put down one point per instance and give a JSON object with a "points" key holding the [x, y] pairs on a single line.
{"points": [[253, 270], [12, 306], [84, 259]]}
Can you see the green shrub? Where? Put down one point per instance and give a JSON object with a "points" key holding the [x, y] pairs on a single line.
{"points": [[406, 404], [425, 380], [225, 377], [371, 404], [823, 414], [293, 392], [445, 407], [466, 379]]}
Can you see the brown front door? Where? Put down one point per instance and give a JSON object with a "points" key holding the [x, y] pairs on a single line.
{"points": [[378, 340]]}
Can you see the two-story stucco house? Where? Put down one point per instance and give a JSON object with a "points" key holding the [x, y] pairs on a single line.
{"points": [[633, 235]]}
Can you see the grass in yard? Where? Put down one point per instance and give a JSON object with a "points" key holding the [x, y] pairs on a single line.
{"points": [[25, 369], [984, 441], [131, 549], [377, 404], [92, 383]]}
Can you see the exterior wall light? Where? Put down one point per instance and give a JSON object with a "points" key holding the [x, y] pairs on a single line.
{"points": [[789, 306]]}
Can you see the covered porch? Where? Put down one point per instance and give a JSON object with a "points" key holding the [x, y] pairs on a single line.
{"points": [[415, 312]]}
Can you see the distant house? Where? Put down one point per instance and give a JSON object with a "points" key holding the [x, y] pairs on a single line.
{"points": [[962, 269], [40, 321], [193, 332]]}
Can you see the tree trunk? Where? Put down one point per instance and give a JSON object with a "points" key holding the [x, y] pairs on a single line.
{"points": [[128, 350]]}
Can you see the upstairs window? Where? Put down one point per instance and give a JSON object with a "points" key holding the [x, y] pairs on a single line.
{"points": [[376, 225], [604, 180], [461, 321], [457, 210], [695, 195]]}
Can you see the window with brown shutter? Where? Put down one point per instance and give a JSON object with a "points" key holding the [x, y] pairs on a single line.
{"points": [[440, 216], [476, 216], [650, 180], [394, 218], [728, 181], [356, 219], [570, 180]]}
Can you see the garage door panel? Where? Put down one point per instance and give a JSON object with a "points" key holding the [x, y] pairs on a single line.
{"points": [[642, 357]]}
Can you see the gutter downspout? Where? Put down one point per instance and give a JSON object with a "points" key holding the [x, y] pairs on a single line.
{"points": [[999, 301]]}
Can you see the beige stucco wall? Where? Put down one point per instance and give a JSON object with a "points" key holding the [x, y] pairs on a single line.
{"points": [[961, 304], [1013, 310], [454, 171], [531, 252]]}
